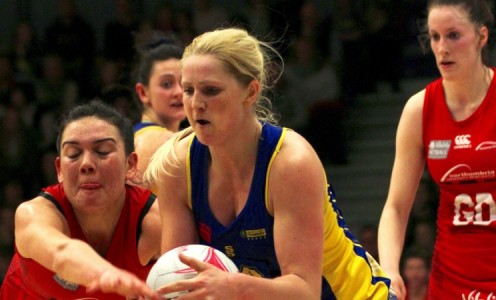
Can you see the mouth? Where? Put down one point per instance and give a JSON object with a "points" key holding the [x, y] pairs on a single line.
{"points": [[90, 186], [202, 122], [446, 63], [176, 105]]}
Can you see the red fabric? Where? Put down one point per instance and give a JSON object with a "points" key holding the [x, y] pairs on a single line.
{"points": [[461, 158], [26, 279]]}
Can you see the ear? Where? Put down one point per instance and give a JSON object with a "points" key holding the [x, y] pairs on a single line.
{"points": [[57, 167], [132, 166], [484, 36], [253, 91], [142, 91]]}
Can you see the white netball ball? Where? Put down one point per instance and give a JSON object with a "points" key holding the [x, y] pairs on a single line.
{"points": [[169, 268]]}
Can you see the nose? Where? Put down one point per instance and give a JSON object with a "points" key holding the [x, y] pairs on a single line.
{"points": [[198, 103], [178, 91], [442, 46], [87, 164]]}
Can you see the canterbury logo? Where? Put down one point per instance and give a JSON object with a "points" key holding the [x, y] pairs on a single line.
{"points": [[462, 140]]}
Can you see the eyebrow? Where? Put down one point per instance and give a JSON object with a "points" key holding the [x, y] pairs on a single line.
{"points": [[167, 74], [99, 141]]}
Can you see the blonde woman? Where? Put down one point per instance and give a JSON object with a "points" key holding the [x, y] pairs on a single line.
{"points": [[253, 190]]}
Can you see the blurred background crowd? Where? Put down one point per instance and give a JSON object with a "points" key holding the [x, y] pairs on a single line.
{"points": [[57, 53]]}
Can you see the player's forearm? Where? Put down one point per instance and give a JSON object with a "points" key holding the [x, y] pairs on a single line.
{"points": [[75, 261], [391, 237]]}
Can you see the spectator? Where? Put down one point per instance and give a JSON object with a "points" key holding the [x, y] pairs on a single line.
{"points": [[110, 73], [207, 15], [349, 20], [7, 78], [55, 94], [415, 270], [54, 90], [12, 194], [312, 100], [368, 238], [118, 43], [17, 154], [184, 26], [26, 50], [22, 99], [72, 38], [47, 172], [257, 13], [122, 99], [165, 18]]}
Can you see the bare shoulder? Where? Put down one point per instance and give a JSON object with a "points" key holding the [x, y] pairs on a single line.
{"points": [[35, 220], [296, 157], [155, 132], [169, 160], [297, 147], [151, 140], [409, 132], [184, 140], [178, 148], [35, 209], [296, 178], [415, 103]]}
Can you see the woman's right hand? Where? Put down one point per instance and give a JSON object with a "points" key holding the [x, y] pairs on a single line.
{"points": [[398, 286], [122, 282]]}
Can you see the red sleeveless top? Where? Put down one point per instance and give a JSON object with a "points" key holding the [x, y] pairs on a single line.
{"points": [[461, 158], [26, 279]]}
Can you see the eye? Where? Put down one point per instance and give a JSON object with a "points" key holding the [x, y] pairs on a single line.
{"points": [[211, 91], [102, 153], [72, 153], [434, 37], [453, 35], [188, 91], [103, 150], [166, 84]]}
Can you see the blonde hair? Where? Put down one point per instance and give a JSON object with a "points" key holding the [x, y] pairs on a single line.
{"points": [[164, 156], [245, 57]]}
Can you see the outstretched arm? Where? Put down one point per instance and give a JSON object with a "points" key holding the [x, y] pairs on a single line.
{"points": [[42, 234]]}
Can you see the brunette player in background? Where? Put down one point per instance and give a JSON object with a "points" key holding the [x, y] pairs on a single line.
{"points": [[451, 126]]}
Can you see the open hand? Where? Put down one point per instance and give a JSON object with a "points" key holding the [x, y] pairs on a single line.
{"points": [[210, 283], [123, 283]]}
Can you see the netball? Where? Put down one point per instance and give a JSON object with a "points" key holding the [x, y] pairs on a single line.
{"points": [[169, 268]]}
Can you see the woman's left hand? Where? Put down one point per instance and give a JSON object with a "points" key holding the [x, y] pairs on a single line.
{"points": [[210, 283]]}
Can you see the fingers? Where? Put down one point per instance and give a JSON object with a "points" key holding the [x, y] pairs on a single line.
{"points": [[124, 284], [185, 285], [181, 286], [194, 263], [199, 287], [399, 288]]}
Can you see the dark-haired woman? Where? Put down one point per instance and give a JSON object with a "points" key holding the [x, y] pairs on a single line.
{"points": [[450, 126], [90, 235], [158, 87]]}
